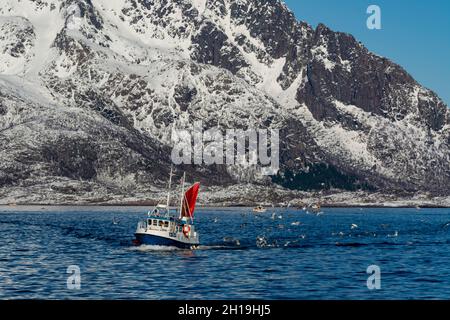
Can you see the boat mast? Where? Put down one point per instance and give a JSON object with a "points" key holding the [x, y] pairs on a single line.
{"points": [[168, 193], [182, 195]]}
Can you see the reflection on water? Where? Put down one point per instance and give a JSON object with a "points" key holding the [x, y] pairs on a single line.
{"points": [[281, 254]]}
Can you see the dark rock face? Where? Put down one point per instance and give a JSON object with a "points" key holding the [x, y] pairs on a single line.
{"points": [[277, 31], [209, 48], [184, 96], [433, 111], [103, 106], [3, 110], [75, 159], [366, 83]]}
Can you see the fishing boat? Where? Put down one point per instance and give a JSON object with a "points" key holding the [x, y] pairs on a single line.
{"points": [[316, 208], [259, 209], [171, 227]]}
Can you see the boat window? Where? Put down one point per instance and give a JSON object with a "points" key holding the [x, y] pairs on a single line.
{"points": [[166, 224], [160, 223], [155, 222]]}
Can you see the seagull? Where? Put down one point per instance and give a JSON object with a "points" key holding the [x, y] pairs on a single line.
{"points": [[393, 235], [354, 226]]}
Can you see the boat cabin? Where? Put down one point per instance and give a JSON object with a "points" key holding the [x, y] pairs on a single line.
{"points": [[160, 223]]}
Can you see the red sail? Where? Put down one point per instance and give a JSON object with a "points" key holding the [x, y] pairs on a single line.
{"points": [[190, 198]]}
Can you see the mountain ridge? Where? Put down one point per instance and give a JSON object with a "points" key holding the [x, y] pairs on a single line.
{"points": [[131, 69]]}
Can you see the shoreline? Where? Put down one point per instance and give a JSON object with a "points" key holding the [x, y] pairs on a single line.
{"points": [[206, 206], [237, 196]]}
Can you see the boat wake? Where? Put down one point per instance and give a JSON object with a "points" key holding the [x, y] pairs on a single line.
{"points": [[153, 248], [150, 248], [218, 247]]}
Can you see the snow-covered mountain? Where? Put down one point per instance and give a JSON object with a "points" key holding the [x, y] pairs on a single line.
{"points": [[90, 89]]}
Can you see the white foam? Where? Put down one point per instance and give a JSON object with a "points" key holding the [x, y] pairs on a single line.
{"points": [[146, 248]]}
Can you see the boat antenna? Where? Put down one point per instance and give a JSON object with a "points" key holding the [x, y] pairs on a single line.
{"points": [[182, 194], [170, 186]]}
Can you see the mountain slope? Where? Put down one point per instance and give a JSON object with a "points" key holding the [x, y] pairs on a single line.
{"points": [[89, 91]]}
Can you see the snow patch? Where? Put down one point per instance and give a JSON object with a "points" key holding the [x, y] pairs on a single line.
{"points": [[200, 5]]}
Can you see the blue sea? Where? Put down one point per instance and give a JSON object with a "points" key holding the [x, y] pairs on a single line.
{"points": [[281, 254]]}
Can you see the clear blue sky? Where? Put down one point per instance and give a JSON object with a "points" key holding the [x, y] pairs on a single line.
{"points": [[415, 33]]}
